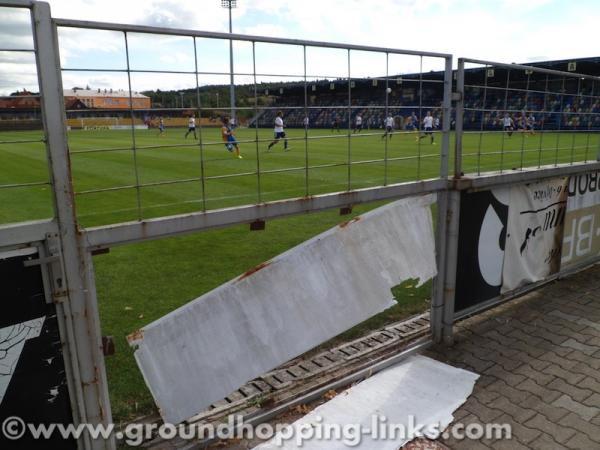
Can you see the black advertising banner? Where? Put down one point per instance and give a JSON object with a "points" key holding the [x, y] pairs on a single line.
{"points": [[481, 241], [33, 385]]}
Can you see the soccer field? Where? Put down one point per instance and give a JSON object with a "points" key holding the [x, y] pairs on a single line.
{"points": [[139, 283], [168, 169]]}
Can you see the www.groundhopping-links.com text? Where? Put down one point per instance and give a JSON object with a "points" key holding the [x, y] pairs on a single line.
{"points": [[377, 429]]}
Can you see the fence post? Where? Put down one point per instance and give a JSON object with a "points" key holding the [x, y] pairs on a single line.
{"points": [[453, 216], [450, 266], [81, 311], [460, 112], [437, 295], [437, 299]]}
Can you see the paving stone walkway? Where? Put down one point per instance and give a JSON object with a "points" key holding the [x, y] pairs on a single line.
{"points": [[539, 361]]}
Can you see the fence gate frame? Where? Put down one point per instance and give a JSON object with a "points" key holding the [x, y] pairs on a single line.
{"points": [[476, 182], [70, 263]]}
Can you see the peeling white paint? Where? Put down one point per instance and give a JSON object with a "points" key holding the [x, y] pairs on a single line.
{"points": [[52, 394], [201, 352]]}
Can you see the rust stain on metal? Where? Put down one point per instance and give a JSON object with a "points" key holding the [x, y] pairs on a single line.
{"points": [[100, 251], [91, 382], [348, 222], [137, 335], [257, 225], [461, 182], [102, 412], [253, 270]]}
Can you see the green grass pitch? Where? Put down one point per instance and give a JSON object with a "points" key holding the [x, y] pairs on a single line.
{"points": [[168, 168], [140, 283]]}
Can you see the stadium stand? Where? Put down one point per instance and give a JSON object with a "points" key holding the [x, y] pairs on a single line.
{"points": [[556, 103]]}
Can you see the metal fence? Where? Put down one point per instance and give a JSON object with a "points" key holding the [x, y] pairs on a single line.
{"points": [[512, 116], [566, 141], [326, 99]]}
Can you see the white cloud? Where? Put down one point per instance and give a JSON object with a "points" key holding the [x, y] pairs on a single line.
{"points": [[268, 29], [18, 72], [166, 13], [497, 30]]}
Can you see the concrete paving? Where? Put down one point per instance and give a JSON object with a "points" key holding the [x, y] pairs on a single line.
{"points": [[539, 361]]}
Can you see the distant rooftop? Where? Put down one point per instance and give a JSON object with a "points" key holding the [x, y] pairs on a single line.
{"points": [[101, 93]]}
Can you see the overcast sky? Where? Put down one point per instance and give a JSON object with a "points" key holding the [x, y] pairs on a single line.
{"points": [[499, 30]]}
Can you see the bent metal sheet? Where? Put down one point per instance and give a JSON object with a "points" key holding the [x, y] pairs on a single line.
{"points": [[203, 351]]}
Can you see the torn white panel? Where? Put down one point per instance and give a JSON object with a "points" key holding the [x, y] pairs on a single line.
{"points": [[203, 351], [12, 341], [534, 232], [417, 391]]}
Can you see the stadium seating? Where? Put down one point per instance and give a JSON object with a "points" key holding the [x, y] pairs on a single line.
{"points": [[554, 104]]}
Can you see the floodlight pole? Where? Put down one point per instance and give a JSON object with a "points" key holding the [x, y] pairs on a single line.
{"points": [[230, 4]]}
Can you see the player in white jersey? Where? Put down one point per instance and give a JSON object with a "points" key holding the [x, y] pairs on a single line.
{"points": [[358, 123], [508, 124], [279, 133], [191, 127], [427, 127], [531, 123], [306, 122], [389, 126]]}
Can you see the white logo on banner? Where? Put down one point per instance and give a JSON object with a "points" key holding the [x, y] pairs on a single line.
{"points": [[12, 341], [535, 230], [490, 253]]}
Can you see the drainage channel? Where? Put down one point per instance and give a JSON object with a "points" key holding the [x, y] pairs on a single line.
{"points": [[298, 378]]}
